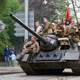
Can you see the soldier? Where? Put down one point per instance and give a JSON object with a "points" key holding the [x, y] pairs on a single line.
{"points": [[67, 32], [59, 30], [31, 46], [38, 27], [48, 26]]}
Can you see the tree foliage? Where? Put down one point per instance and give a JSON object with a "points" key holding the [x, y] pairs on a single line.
{"points": [[54, 8], [7, 36]]}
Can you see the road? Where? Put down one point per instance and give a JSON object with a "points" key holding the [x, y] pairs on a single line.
{"points": [[23, 76]]}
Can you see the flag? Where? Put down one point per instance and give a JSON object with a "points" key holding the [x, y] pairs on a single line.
{"points": [[68, 14]]}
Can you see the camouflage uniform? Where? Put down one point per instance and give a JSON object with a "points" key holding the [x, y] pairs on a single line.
{"points": [[31, 47], [59, 31], [48, 28], [74, 34], [67, 32]]}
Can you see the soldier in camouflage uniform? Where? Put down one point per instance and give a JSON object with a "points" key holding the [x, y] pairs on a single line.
{"points": [[38, 27], [48, 26], [31, 46], [59, 30]]}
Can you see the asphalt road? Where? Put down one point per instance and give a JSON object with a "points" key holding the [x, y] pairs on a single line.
{"points": [[10, 73], [23, 76]]}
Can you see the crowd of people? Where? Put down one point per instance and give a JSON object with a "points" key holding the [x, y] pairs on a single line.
{"points": [[9, 56], [59, 28]]}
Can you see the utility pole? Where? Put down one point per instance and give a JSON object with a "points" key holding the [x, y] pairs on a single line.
{"points": [[26, 18]]}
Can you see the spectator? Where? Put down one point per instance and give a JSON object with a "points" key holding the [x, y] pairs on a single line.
{"points": [[13, 57], [6, 55]]}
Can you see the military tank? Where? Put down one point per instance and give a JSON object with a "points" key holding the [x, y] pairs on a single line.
{"points": [[60, 55]]}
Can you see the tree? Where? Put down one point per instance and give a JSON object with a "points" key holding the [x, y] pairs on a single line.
{"points": [[7, 36], [54, 8]]}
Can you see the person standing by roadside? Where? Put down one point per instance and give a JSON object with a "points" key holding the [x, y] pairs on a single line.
{"points": [[6, 55], [13, 57]]}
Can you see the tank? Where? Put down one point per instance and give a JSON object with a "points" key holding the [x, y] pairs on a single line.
{"points": [[63, 53]]}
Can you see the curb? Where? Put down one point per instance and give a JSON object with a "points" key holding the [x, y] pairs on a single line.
{"points": [[10, 70]]}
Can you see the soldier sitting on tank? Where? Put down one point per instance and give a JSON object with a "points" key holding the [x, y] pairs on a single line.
{"points": [[31, 46], [74, 32], [38, 27], [59, 30], [66, 32], [74, 29], [67, 28], [48, 27]]}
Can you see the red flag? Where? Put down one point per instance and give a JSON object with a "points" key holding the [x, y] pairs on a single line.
{"points": [[68, 17], [68, 14]]}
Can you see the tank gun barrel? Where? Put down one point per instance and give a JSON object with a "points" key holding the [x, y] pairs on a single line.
{"points": [[27, 28]]}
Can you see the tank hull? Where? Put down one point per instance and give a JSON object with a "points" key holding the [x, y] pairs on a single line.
{"points": [[49, 67], [44, 63]]}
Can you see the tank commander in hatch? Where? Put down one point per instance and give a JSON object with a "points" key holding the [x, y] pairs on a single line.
{"points": [[31, 46]]}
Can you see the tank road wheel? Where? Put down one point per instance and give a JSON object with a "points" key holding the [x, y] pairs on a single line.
{"points": [[54, 71], [50, 71], [58, 71], [76, 71]]}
